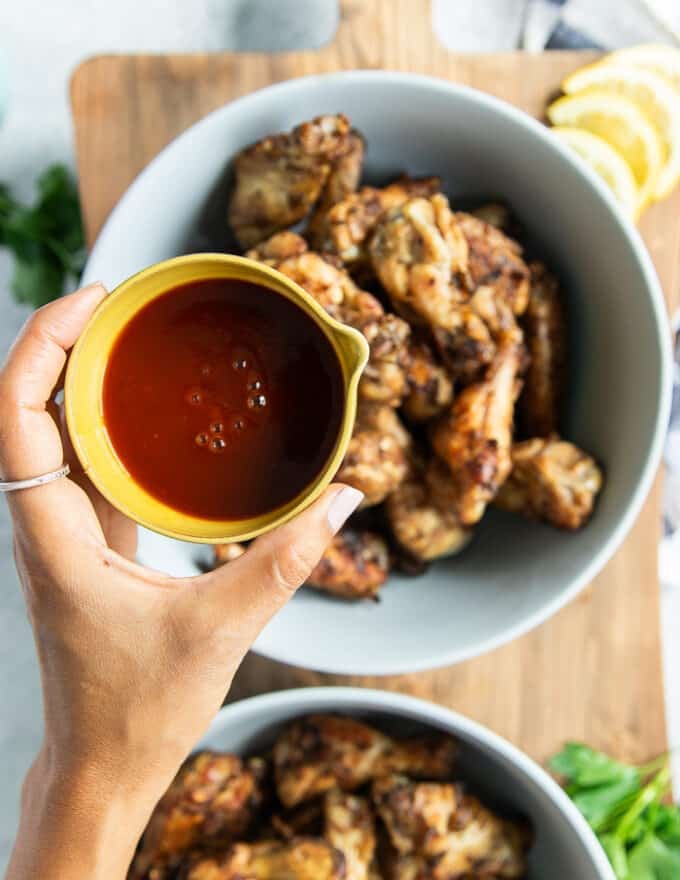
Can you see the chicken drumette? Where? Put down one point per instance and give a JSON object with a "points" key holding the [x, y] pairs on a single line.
{"points": [[343, 180], [345, 229], [495, 260], [475, 438], [354, 566], [322, 752], [376, 461], [420, 255], [350, 828], [551, 480], [414, 813], [439, 833], [423, 519], [430, 390], [280, 178], [545, 334], [301, 859], [215, 798], [384, 379]]}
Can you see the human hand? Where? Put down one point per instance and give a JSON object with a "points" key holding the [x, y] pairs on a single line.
{"points": [[134, 663]]}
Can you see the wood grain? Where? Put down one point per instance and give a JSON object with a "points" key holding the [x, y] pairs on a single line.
{"points": [[594, 671]]}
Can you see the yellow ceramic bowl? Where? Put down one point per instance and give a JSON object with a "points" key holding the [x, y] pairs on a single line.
{"points": [[85, 378]]}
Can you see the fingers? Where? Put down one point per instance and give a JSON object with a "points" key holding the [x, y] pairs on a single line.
{"points": [[249, 591], [29, 439]]}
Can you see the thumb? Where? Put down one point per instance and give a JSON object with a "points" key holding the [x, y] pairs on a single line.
{"points": [[251, 589]]}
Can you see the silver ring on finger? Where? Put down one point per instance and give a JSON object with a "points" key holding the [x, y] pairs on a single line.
{"points": [[14, 485]]}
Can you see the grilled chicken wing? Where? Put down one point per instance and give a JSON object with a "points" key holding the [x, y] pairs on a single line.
{"points": [[480, 844], [350, 828], [376, 461], [422, 526], [551, 480], [344, 230], [545, 333], [475, 843], [305, 820], [214, 798], [384, 379], [279, 179], [420, 256], [273, 860], [354, 566], [343, 180], [414, 813], [495, 260], [321, 752], [475, 438], [430, 390], [485, 320]]}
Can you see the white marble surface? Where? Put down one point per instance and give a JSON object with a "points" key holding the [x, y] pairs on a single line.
{"points": [[40, 44]]}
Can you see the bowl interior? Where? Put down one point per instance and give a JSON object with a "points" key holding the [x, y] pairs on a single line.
{"points": [[504, 778], [514, 573]]}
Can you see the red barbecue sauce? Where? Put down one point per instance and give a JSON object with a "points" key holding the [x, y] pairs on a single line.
{"points": [[223, 399]]}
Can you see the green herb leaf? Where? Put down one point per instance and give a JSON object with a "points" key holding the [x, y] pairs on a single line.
{"points": [[583, 766], [654, 859], [46, 238], [625, 807], [603, 805], [616, 853]]}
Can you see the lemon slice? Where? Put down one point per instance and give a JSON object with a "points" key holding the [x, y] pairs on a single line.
{"points": [[659, 102], [660, 59], [618, 122], [607, 162]]}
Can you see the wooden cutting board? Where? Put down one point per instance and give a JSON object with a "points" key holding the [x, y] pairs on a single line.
{"points": [[591, 673]]}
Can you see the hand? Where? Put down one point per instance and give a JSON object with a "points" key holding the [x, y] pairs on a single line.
{"points": [[134, 663]]}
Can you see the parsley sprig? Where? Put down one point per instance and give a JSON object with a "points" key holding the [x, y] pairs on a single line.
{"points": [[627, 808], [46, 238]]}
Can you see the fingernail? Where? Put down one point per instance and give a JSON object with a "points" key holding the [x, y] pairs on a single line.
{"points": [[343, 505]]}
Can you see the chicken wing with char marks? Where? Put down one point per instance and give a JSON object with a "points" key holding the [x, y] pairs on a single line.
{"points": [[430, 390], [545, 334], [495, 260], [422, 258], [350, 828], [280, 178], [321, 752], [422, 526], [551, 480], [420, 255], [354, 566], [215, 798], [384, 379], [376, 461], [475, 438], [346, 228], [300, 859], [480, 846], [485, 319], [414, 813], [343, 180]]}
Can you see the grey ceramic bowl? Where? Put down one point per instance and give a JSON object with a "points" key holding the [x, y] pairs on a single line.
{"points": [[515, 573], [564, 845]]}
